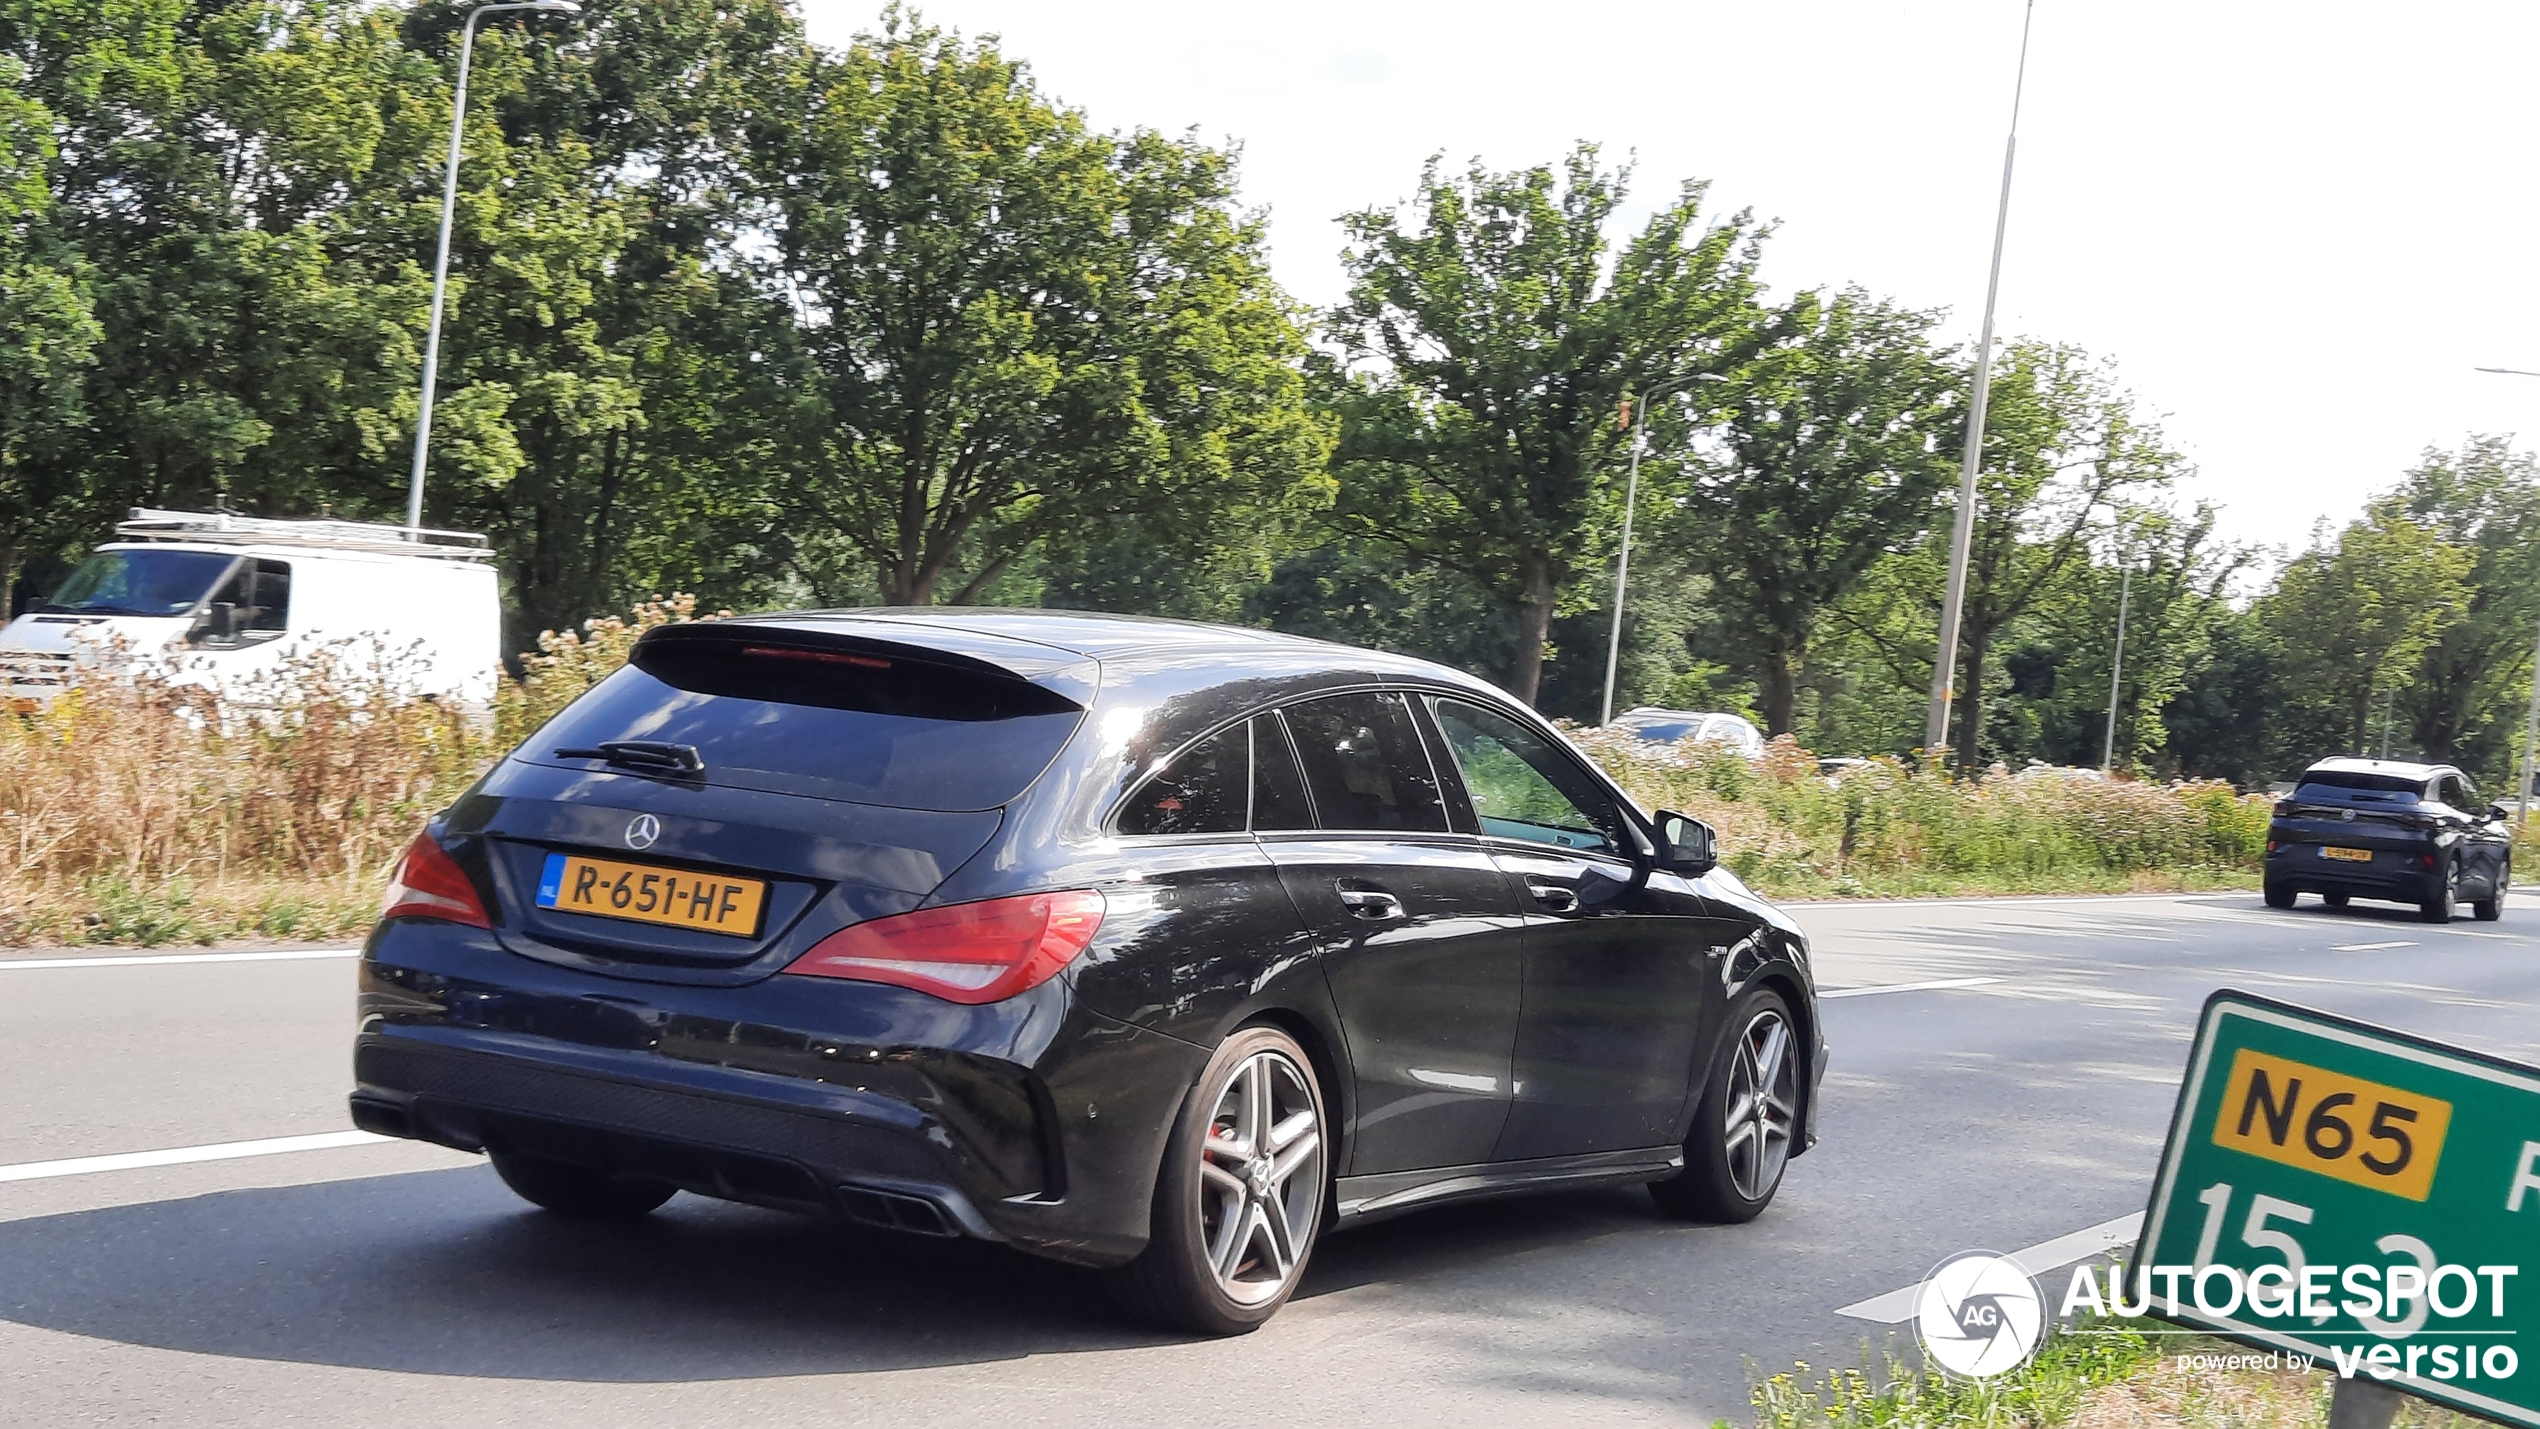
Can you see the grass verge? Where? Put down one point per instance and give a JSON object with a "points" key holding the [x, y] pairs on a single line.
{"points": [[2102, 1375]]}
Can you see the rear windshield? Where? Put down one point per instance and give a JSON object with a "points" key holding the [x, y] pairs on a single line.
{"points": [[2341, 787], [910, 734]]}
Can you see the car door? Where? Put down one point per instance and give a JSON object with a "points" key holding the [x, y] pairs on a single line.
{"points": [[1418, 933], [1621, 985]]}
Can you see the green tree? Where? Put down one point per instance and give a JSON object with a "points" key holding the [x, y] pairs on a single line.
{"points": [[1491, 336], [47, 332], [2462, 703], [2351, 618], [2063, 449], [1828, 458], [610, 413], [1016, 330]]}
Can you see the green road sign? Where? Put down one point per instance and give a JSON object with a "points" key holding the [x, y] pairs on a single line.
{"points": [[2342, 1191]]}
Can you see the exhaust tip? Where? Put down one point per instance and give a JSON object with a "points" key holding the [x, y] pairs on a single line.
{"points": [[382, 1118], [890, 1210]]}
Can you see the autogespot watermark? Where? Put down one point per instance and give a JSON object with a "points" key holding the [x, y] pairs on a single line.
{"points": [[1980, 1314]]}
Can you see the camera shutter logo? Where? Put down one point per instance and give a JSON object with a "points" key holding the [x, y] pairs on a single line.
{"points": [[641, 830], [1979, 1314]]}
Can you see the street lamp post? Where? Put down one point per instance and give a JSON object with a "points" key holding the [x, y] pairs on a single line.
{"points": [[2531, 721], [1962, 531], [2116, 672], [1631, 501], [441, 260]]}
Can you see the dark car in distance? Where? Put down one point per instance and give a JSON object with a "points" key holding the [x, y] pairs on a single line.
{"points": [[1133, 943], [2389, 829]]}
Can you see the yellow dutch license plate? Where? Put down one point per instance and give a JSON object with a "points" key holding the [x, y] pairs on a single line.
{"points": [[2350, 855], [644, 893]]}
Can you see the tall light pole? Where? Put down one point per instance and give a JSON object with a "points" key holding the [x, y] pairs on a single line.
{"points": [[2116, 673], [441, 260], [2531, 721], [1962, 531], [1639, 418]]}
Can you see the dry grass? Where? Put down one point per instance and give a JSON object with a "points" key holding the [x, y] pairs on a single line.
{"points": [[150, 811]]}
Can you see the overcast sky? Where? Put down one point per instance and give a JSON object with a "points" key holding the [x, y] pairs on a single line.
{"points": [[2297, 228]]}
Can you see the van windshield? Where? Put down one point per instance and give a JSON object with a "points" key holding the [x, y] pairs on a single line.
{"points": [[139, 583], [763, 713]]}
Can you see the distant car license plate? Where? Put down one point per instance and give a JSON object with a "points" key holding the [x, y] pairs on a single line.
{"points": [[642, 893], [2350, 855]]}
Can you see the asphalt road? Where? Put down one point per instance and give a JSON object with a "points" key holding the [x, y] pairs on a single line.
{"points": [[377, 1283]]}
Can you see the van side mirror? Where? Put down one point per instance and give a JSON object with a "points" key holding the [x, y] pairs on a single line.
{"points": [[2499, 812], [219, 625], [1686, 844]]}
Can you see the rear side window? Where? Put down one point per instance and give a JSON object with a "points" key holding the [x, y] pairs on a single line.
{"points": [[1365, 765], [788, 718], [1203, 792], [1278, 786]]}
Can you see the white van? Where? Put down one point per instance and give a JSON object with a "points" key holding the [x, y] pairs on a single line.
{"points": [[219, 600]]}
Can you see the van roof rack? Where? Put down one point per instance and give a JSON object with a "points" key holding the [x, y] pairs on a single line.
{"points": [[230, 529]]}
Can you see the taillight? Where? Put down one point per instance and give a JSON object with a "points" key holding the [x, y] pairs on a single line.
{"points": [[966, 952], [2270, 845], [428, 883]]}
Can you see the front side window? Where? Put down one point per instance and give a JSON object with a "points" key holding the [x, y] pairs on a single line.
{"points": [[258, 594], [1203, 792], [1365, 764], [1522, 787]]}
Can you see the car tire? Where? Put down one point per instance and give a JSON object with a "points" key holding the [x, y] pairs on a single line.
{"points": [[576, 1191], [2492, 907], [1743, 1130], [2446, 886], [2281, 895], [2334, 900], [1239, 1197]]}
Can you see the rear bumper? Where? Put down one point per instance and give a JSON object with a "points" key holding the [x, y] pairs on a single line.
{"points": [[2393, 873], [871, 1102]]}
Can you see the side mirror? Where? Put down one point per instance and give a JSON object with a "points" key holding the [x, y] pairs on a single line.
{"points": [[219, 625], [1686, 844], [2499, 812]]}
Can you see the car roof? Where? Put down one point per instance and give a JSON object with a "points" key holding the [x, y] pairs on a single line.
{"points": [[2393, 768], [1014, 637]]}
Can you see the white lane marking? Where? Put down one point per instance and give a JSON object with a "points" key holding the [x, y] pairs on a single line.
{"points": [[1979, 901], [1897, 1306], [165, 959], [1907, 987], [180, 1155], [2366, 947]]}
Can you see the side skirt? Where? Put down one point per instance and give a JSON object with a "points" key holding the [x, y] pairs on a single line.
{"points": [[1360, 1199]]}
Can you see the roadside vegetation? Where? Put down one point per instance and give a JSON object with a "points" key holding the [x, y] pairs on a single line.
{"points": [[148, 813], [1886, 829], [2101, 1375]]}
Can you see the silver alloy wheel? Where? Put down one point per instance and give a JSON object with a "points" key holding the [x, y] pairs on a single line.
{"points": [[1763, 1105], [1260, 1177]]}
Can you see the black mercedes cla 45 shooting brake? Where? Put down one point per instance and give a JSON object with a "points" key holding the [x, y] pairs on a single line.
{"points": [[1132, 943], [2380, 828]]}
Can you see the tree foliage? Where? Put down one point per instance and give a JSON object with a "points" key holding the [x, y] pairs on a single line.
{"points": [[1491, 342]]}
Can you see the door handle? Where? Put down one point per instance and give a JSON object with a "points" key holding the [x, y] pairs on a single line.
{"points": [[1373, 905], [1553, 895]]}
